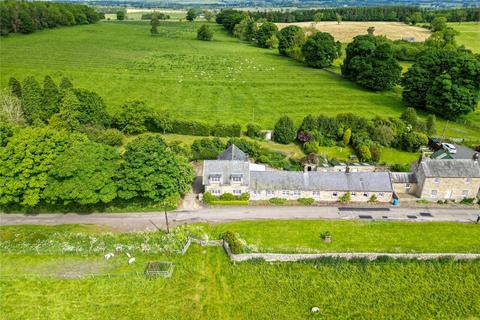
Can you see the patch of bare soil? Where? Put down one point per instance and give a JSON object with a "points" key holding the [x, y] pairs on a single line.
{"points": [[345, 31], [73, 268]]}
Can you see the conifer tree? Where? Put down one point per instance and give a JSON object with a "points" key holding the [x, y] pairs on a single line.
{"points": [[51, 97], [15, 87], [32, 100]]}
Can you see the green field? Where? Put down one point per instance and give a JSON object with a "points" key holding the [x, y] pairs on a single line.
{"points": [[469, 34], [206, 285], [223, 80]]}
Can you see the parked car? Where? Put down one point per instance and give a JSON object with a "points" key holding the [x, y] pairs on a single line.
{"points": [[450, 148]]}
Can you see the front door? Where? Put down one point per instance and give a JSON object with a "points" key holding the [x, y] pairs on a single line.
{"points": [[448, 194]]}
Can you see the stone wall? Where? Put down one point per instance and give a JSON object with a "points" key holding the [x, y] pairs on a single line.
{"points": [[449, 188]]}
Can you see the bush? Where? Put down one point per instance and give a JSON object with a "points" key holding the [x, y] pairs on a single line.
{"points": [[205, 33], [277, 201], [284, 131], [226, 197], [226, 130], [306, 201], [345, 198], [206, 148], [254, 131], [373, 199], [325, 235], [399, 167], [230, 202], [208, 198], [111, 137], [244, 196], [235, 245], [467, 201], [192, 128]]}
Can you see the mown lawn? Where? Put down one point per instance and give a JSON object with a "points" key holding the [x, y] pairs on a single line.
{"points": [[206, 285], [469, 34], [355, 236], [224, 80]]}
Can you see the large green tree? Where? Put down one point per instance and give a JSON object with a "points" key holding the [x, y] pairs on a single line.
{"points": [[205, 33], [92, 108], [320, 50], [284, 131], [15, 87], [289, 38], [370, 62], [51, 97], [68, 118], [83, 174], [266, 31], [444, 82], [32, 100], [133, 117], [152, 172], [26, 161]]}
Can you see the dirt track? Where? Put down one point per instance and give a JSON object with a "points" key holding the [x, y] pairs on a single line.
{"points": [[345, 31]]}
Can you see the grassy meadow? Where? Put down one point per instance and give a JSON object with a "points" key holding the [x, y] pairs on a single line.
{"points": [[224, 80], [206, 285], [469, 34]]}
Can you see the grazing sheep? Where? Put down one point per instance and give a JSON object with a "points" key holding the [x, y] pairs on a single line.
{"points": [[109, 255], [131, 260], [315, 309], [128, 254]]}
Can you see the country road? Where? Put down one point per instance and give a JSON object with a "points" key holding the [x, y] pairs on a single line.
{"points": [[150, 221]]}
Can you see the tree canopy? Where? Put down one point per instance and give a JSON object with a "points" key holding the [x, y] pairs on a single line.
{"points": [[370, 62], [289, 38], [205, 33], [151, 171], [444, 82], [320, 50], [266, 31], [284, 131]]}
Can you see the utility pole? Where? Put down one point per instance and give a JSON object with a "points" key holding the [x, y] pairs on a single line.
{"points": [[166, 216], [253, 114]]}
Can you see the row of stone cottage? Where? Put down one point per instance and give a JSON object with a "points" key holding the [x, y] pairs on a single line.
{"points": [[429, 179]]}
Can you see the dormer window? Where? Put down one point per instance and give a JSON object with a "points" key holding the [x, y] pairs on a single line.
{"points": [[236, 178], [215, 178]]}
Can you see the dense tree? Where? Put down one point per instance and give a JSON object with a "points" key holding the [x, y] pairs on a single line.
{"points": [[11, 108], [6, 132], [347, 135], [51, 97], [92, 108], [154, 25], [111, 137], [412, 141], [265, 33], [320, 50], [443, 40], [26, 162], [65, 84], [338, 18], [205, 33], [439, 23], [15, 87], [444, 82], [120, 15], [191, 14], [364, 153], [83, 174], [284, 131], [229, 18], [151, 171], [68, 117], [370, 63], [133, 117], [32, 100], [246, 29], [409, 116], [209, 15], [289, 38]]}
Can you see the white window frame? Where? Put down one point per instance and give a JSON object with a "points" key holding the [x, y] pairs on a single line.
{"points": [[437, 180], [297, 193], [216, 191], [214, 179], [285, 193], [335, 194], [434, 193], [270, 193], [236, 179], [465, 193], [365, 194], [468, 180], [353, 194], [316, 193], [237, 191]]}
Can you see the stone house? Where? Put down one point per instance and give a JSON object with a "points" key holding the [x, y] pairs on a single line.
{"points": [[449, 179], [232, 173], [403, 182]]}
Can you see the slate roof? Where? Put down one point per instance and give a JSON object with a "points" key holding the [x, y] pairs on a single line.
{"points": [[403, 177], [450, 168], [321, 181], [233, 153], [225, 169]]}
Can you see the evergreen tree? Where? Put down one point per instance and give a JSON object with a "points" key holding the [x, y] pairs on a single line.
{"points": [[431, 124], [69, 115], [32, 100], [15, 87], [51, 97], [65, 84], [284, 131], [154, 23]]}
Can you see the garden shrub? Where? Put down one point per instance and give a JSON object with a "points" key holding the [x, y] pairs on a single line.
{"points": [[192, 128], [208, 198], [244, 196], [345, 198], [235, 245], [254, 131], [373, 199], [111, 137], [226, 197], [306, 201], [277, 201], [226, 130], [467, 201], [310, 147], [206, 148]]}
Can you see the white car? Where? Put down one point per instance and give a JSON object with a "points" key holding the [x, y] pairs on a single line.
{"points": [[450, 148]]}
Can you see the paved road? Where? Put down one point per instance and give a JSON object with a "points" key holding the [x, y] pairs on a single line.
{"points": [[152, 220]]}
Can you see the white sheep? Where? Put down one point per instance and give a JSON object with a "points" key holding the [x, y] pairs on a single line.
{"points": [[315, 309], [128, 254], [109, 255], [131, 260]]}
